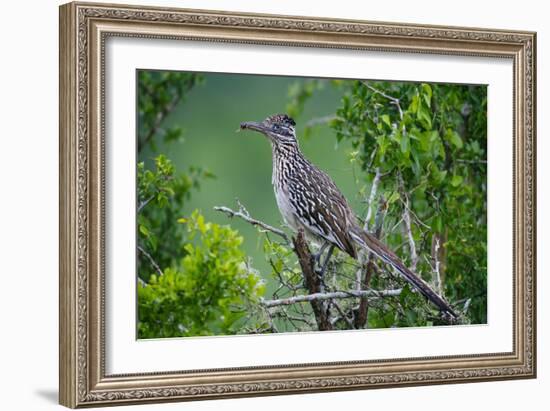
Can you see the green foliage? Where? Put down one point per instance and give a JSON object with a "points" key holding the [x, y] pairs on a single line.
{"points": [[429, 142], [194, 278], [159, 92], [162, 194], [206, 293], [426, 142]]}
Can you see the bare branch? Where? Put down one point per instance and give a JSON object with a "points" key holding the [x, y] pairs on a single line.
{"points": [[460, 160], [367, 226], [333, 295], [393, 100], [321, 120], [270, 322], [372, 195], [417, 219], [365, 273], [466, 306], [243, 214], [144, 203], [375, 90], [151, 260], [342, 316], [408, 227], [284, 283], [437, 273], [412, 245]]}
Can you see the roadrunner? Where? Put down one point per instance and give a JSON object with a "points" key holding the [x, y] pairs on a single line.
{"points": [[309, 201]]}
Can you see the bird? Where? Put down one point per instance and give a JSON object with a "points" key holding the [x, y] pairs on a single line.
{"points": [[309, 201]]}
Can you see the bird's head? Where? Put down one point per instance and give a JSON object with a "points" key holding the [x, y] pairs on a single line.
{"points": [[279, 128]]}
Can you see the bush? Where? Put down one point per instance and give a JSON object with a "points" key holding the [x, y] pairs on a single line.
{"points": [[206, 293]]}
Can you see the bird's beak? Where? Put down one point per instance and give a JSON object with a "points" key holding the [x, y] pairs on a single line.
{"points": [[252, 125]]}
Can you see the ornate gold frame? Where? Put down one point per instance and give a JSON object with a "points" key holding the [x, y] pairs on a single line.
{"points": [[83, 30]]}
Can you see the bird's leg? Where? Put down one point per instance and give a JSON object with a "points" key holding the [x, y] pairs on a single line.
{"points": [[327, 259], [322, 268], [317, 256]]}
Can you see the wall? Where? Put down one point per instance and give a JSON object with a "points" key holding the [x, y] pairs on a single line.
{"points": [[28, 354]]}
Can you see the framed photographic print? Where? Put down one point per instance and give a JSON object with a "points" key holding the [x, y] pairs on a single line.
{"points": [[257, 204]]}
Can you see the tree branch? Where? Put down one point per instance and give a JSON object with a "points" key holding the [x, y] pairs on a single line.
{"points": [[342, 316], [438, 285], [321, 120], [368, 268], [333, 295], [372, 195], [151, 260], [243, 214], [366, 224], [142, 205], [408, 227], [393, 100], [312, 281], [162, 114], [460, 160]]}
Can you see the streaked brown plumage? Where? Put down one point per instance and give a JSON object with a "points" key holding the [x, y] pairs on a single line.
{"points": [[309, 200]]}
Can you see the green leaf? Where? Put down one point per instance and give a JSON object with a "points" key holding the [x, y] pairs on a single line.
{"points": [[393, 197], [427, 138], [424, 116], [427, 94], [144, 230], [456, 180], [453, 137], [386, 120], [437, 224], [405, 144]]}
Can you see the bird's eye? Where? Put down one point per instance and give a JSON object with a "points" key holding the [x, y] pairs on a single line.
{"points": [[276, 127]]}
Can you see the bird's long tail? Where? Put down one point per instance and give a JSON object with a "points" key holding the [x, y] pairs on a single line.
{"points": [[372, 244]]}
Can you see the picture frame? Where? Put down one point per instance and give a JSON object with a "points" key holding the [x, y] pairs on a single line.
{"points": [[85, 29]]}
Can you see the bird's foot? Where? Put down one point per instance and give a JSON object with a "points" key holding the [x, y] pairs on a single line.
{"points": [[321, 280]]}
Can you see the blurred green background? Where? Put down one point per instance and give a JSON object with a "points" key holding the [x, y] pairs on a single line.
{"points": [[241, 161]]}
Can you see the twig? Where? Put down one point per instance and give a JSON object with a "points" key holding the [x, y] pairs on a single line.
{"points": [[372, 195], [466, 306], [151, 260], [393, 100], [361, 319], [282, 281], [321, 120], [246, 217], [161, 115], [333, 295], [407, 221], [418, 220], [144, 203], [270, 322], [343, 315], [436, 268], [460, 160], [366, 225]]}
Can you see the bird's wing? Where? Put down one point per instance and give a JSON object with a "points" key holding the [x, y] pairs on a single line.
{"points": [[378, 248], [321, 207]]}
